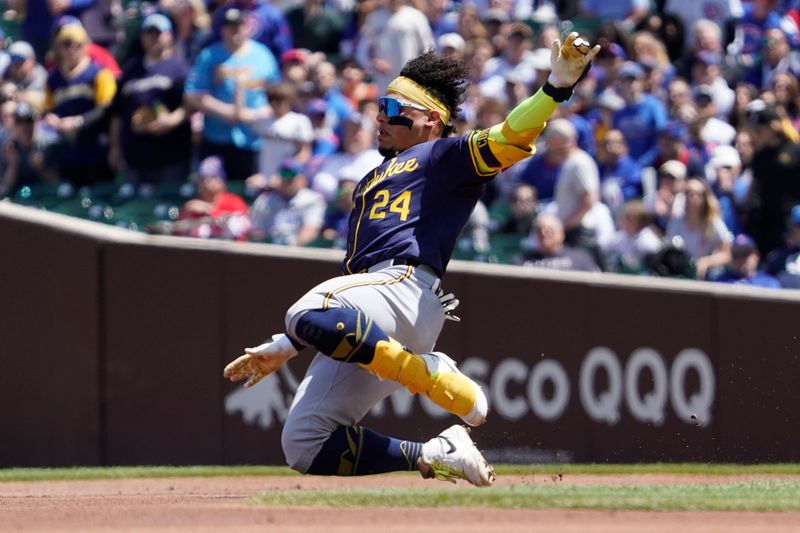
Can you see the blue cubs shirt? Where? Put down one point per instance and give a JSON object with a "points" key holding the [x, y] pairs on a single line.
{"points": [[215, 71], [414, 205]]}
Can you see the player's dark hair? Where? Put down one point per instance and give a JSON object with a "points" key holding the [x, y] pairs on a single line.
{"points": [[444, 77]]}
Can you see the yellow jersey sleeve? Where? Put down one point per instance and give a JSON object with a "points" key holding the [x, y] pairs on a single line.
{"points": [[105, 87]]}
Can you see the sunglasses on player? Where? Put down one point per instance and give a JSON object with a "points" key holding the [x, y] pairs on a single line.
{"points": [[391, 107]]}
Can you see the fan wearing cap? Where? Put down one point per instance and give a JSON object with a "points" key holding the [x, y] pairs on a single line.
{"points": [[214, 205], [77, 95], [265, 23], [642, 115], [27, 75], [374, 327], [288, 212], [149, 132], [24, 158], [743, 266], [211, 89], [99, 54]]}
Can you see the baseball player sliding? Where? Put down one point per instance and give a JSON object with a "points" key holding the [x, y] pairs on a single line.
{"points": [[375, 326]]}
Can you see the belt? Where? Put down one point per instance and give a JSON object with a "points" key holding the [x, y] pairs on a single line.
{"points": [[402, 261]]}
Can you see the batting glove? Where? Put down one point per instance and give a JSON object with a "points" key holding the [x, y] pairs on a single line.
{"points": [[569, 63], [449, 301]]}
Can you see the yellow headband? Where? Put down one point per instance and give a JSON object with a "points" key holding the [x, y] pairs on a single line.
{"points": [[408, 88]]}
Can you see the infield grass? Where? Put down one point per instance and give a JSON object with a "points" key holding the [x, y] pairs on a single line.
{"points": [[751, 496], [124, 472]]}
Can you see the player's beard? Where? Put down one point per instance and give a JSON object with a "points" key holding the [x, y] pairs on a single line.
{"points": [[387, 153]]}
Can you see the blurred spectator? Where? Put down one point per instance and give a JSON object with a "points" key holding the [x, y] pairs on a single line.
{"points": [[38, 17], [451, 44], [470, 26], [712, 131], [354, 85], [288, 212], [192, 26], [215, 212], [702, 232], [786, 89], [211, 88], [284, 132], [742, 269], [77, 96], [706, 72], [721, 13], [337, 216], [577, 187], [642, 117], [516, 215], [745, 93], [24, 158], [673, 143], [668, 29], [390, 36], [517, 64], [725, 168], [358, 157], [150, 133], [777, 56], [758, 16], [474, 238], [263, 22], [326, 142], [775, 188], [550, 250], [442, 18], [678, 94], [743, 142], [627, 13], [315, 26], [29, 77], [620, 175], [294, 66], [634, 242], [7, 109], [99, 54], [668, 200], [784, 261], [327, 86]]}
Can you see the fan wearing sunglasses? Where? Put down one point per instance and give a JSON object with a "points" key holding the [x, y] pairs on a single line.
{"points": [[374, 327]]}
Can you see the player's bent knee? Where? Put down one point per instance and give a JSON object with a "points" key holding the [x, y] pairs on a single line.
{"points": [[300, 444]]}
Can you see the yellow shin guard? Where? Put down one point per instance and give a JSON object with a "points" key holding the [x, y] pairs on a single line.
{"points": [[446, 387]]}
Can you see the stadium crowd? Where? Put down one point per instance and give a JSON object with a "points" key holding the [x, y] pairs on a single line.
{"points": [[679, 154]]}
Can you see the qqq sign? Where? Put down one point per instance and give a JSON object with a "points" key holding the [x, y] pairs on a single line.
{"points": [[604, 404]]}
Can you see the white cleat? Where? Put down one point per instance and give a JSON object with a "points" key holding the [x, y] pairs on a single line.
{"points": [[261, 361], [452, 455], [439, 366]]}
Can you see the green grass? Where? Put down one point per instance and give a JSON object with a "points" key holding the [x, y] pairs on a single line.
{"points": [[753, 496], [123, 472]]}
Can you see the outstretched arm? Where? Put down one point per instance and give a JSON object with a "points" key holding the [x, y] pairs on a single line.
{"points": [[504, 144]]}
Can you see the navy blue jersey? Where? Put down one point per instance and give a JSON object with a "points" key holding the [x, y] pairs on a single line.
{"points": [[414, 206], [143, 90]]}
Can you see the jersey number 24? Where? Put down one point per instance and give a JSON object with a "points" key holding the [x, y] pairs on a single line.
{"points": [[400, 204]]}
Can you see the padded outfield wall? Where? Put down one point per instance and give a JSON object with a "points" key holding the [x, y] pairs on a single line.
{"points": [[112, 345]]}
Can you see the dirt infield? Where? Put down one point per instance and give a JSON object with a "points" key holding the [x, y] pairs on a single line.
{"points": [[211, 504]]}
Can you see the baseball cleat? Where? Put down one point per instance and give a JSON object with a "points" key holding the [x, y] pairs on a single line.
{"points": [[452, 455], [454, 391], [261, 361]]}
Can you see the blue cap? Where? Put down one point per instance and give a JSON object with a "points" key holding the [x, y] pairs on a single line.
{"points": [[675, 129], [743, 245], [157, 21], [64, 20], [317, 106], [631, 69], [795, 216], [211, 167]]}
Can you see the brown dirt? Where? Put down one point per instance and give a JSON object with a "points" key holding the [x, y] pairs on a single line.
{"points": [[211, 504]]}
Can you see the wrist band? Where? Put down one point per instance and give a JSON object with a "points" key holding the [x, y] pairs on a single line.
{"points": [[559, 94]]}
